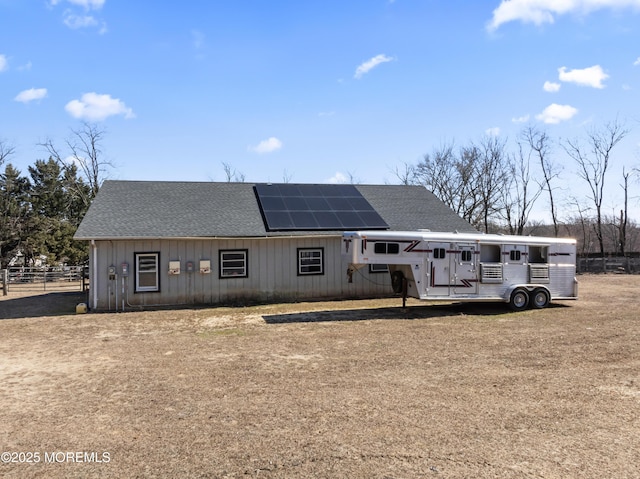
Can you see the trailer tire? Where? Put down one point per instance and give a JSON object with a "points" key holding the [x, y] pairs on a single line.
{"points": [[540, 299], [396, 281], [519, 300]]}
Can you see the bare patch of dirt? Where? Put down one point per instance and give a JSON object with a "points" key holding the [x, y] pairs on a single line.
{"points": [[335, 389]]}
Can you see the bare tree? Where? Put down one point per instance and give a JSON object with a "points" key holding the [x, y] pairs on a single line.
{"points": [[520, 194], [6, 150], [450, 178], [624, 213], [585, 224], [492, 175], [594, 163], [85, 154], [540, 146], [406, 174], [353, 179], [231, 174], [85, 146], [286, 176], [467, 184]]}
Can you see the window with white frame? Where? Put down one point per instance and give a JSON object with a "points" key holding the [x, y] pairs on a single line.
{"points": [[146, 276], [310, 261], [378, 268], [233, 263]]}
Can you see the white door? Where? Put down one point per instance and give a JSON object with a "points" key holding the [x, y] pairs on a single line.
{"points": [[439, 272], [465, 258]]}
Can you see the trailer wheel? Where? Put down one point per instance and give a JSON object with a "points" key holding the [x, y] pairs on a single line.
{"points": [[519, 300], [396, 281], [540, 299]]}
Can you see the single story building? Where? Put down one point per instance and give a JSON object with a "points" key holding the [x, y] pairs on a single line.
{"points": [[159, 243]]}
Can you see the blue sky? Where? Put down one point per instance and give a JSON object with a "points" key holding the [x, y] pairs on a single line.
{"points": [[313, 91]]}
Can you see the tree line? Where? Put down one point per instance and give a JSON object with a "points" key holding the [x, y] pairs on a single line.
{"points": [[41, 209], [485, 183], [496, 190]]}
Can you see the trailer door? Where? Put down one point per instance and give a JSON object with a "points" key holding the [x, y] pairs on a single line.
{"points": [[438, 269], [465, 259]]}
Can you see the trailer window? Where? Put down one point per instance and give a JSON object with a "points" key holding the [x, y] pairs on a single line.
{"points": [[465, 256], [537, 254], [515, 255], [386, 248], [490, 253], [439, 253]]}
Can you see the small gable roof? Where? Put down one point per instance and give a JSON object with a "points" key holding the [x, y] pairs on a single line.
{"points": [[167, 209]]}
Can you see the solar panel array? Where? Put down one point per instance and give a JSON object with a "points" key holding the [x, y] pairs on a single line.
{"points": [[297, 207]]}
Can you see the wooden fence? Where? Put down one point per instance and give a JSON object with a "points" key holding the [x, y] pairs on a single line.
{"points": [[611, 264]]}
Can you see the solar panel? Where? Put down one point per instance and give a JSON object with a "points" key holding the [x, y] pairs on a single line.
{"points": [[296, 207]]}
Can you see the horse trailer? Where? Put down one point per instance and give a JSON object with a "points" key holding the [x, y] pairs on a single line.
{"points": [[523, 271]]}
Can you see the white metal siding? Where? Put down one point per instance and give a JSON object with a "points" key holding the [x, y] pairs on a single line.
{"points": [[272, 273]]}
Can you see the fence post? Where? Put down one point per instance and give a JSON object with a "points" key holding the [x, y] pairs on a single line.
{"points": [[5, 282]]}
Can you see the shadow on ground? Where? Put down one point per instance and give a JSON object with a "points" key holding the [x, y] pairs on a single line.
{"points": [[410, 312], [50, 304]]}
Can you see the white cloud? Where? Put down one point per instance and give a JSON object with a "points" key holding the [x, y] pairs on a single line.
{"points": [[4, 63], [74, 160], [267, 146], [95, 107], [75, 18], [87, 4], [370, 64], [637, 62], [545, 11], [494, 131], [520, 119], [30, 95], [94, 4], [551, 87], [338, 178], [77, 21], [554, 113], [592, 76]]}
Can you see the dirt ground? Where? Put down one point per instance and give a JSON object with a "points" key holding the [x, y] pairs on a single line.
{"points": [[354, 389]]}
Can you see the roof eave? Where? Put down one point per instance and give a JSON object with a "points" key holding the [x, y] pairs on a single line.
{"points": [[195, 238]]}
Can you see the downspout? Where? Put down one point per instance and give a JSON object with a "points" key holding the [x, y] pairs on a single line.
{"points": [[93, 282]]}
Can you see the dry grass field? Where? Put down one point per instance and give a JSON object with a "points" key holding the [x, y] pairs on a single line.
{"points": [[354, 389]]}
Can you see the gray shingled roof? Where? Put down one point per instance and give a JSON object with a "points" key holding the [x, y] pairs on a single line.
{"points": [[162, 209]]}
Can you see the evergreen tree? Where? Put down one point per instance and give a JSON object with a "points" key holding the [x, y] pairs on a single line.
{"points": [[14, 212], [56, 212]]}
